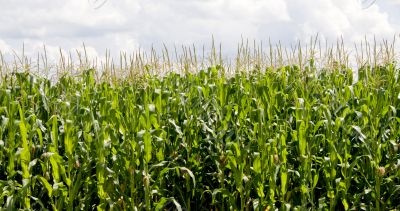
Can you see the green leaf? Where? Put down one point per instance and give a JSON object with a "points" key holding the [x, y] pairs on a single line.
{"points": [[257, 165], [358, 130], [283, 181], [302, 138], [315, 180], [186, 170], [147, 146], [160, 205], [345, 204], [47, 185]]}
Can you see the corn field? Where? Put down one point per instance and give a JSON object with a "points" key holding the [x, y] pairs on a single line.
{"points": [[263, 136]]}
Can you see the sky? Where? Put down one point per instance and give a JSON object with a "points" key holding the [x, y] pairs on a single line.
{"points": [[127, 25]]}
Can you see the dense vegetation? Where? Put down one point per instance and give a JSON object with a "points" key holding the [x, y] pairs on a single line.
{"points": [[289, 137]]}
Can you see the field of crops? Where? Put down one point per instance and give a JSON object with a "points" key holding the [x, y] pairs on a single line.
{"points": [[279, 137]]}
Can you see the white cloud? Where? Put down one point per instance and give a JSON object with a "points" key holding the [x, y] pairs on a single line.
{"points": [[333, 19], [396, 2], [128, 25], [4, 47]]}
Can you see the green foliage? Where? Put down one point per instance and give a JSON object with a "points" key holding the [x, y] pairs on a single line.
{"points": [[277, 138]]}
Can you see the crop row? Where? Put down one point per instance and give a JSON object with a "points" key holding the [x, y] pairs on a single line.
{"points": [[283, 138]]}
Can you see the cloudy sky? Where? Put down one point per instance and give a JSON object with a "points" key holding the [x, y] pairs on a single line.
{"points": [[126, 25]]}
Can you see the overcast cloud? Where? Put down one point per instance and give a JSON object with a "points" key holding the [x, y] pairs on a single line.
{"points": [[126, 25]]}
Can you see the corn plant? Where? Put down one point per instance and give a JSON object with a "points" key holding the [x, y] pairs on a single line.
{"points": [[263, 135]]}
